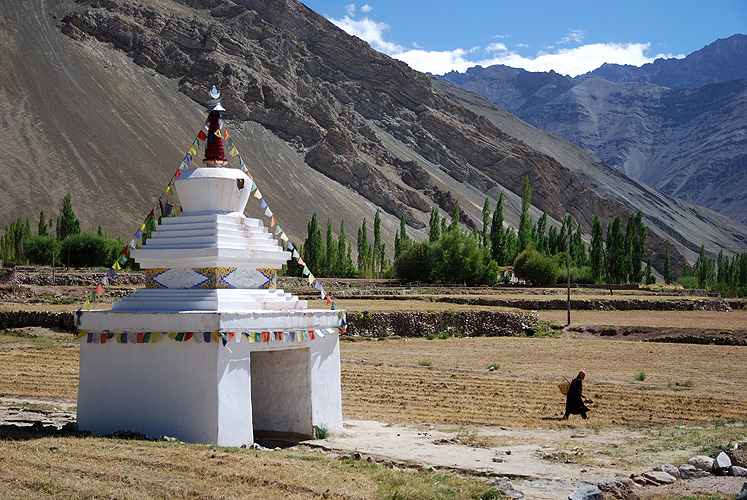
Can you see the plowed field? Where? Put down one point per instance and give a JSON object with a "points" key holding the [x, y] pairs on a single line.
{"points": [[446, 381]]}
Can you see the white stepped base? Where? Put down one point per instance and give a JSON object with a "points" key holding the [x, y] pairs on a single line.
{"points": [[246, 320], [216, 300]]}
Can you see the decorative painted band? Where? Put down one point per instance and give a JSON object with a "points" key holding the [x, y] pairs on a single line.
{"points": [[211, 278], [206, 337]]}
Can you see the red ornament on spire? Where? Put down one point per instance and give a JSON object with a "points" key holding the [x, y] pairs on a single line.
{"points": [[214, 154]]}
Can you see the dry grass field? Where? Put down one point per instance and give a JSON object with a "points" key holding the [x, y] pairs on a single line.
{"points": [[693, 400]]}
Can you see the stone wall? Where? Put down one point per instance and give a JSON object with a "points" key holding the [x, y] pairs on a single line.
{"points": [[597, 304], [455, 323], [62, 321]]}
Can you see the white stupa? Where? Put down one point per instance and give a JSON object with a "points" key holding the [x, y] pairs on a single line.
{"points": [[210, 351]]}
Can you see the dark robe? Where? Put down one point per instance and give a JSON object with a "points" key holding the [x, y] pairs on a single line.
{"points": [[574, 403]]}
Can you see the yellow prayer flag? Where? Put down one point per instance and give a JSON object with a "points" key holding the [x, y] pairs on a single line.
{"points": [[233, 151], [284, 237], [168, 190], [81, 334], [192, 151], [118, 336], [216, 337], [154, 337], [172, 335], [257, 194], [311, 278], [217, 133], [116, 267], [142, 227]]}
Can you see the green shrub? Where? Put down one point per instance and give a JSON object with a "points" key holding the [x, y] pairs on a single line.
{"points": [[492, 366], [38, 250], [688, 282], [90, 250], [535, 268], [321, 432], [426, 364], [640, 376]]}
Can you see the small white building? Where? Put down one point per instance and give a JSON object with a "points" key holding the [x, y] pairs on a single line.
{"points": [[210, 351]]}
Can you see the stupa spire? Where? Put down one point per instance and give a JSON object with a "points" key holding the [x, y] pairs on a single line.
{"points": [[214, 154]]}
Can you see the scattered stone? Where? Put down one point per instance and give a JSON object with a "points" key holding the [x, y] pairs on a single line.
{"points": [[722, 461], [622, 488], [640, 480], [518, 495], [670, 469], [659, 477], [738, 471], [702, 462], [172, 439], [587, 492], [688, 471]]}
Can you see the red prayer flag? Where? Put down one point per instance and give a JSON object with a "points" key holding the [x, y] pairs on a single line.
{"points": [[329, 300], [140, 338], [100, 289], [177, 173], [188, 336], [201, 136]]}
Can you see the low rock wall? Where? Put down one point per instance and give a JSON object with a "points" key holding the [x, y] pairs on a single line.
{"points": [[20, 319], [595, 304], [455, 323]]}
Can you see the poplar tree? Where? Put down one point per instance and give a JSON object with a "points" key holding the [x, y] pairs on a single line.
{"points": [[498, 234], [668, 276], [455, 217], [42, 226], [485, 240], [635, 246], [525, 223], [378, 247], [67, 223], [596, 248], [313, 247], [434, 226]]}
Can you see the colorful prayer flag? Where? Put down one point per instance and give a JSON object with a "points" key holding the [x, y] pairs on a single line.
{"points": [[201, 135], [100, 289], [192, 151], [116, 265], [257, 194], [262, 203], [87, 304], [273, 221]]}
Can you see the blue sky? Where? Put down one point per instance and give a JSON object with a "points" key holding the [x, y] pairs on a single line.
{"points": [[570, 37]]}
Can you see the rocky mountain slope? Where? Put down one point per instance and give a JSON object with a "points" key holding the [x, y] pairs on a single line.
{"points": [[113, 94], [674, 124]]}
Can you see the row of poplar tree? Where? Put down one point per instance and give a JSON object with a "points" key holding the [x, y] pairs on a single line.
{"points": [[452, 254], [60, 242]]}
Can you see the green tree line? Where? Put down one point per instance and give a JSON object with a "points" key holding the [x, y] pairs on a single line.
{"points": [[67, 246]]}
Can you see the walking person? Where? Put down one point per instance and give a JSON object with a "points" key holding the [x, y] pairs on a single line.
{"points": [[574, 403]]}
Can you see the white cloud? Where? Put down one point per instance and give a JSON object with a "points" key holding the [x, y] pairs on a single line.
{"points": [[522, 45], [370, 31], [496, 47], [350, 9], [366, 8], [568, 61], [574, 36]]}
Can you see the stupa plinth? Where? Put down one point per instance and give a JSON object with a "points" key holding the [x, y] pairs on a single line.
{"points": [[210, 351]]}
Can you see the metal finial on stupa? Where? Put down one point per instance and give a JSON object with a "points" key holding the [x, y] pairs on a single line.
{"points": [[214, 101], [214, 154]]}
